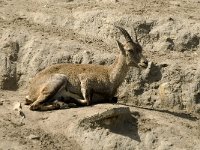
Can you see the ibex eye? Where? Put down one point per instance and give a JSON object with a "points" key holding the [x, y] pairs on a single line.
{"points": [[146, 62]]}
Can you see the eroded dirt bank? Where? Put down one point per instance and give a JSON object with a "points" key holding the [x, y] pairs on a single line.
{"points": [[35, 34]]}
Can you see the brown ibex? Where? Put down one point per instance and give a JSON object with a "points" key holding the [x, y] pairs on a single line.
{"points": [[84, 83]]}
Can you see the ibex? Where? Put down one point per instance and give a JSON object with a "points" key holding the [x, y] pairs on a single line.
{"points": [[83, 84]]}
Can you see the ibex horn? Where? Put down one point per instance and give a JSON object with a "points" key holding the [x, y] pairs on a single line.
{"points": [[136, 38], [125, 33]]}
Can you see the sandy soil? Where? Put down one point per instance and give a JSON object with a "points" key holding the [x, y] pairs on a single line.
{"points": [[35, 34], [87, 128]]}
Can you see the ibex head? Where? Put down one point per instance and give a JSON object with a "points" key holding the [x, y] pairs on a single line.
{"points": [[132, 51]]}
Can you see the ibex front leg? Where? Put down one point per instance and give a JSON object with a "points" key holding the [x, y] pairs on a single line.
{"points": [[86, 90]]}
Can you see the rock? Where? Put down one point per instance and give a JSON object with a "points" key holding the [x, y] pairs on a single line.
{"points": [[1, 102], [9, 56], [165, 93], [17, 106], [197, 109], [109, 119], [33, 137], [21, 113], [188, 41]]}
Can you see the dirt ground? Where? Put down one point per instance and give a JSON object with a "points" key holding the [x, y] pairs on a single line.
{"points": [[38, 33]]}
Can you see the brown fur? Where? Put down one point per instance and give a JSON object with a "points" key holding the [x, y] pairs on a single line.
{"points": [[84, 83]]}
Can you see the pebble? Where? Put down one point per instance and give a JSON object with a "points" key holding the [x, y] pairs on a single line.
{"points": [[1, 102], [17, 106], [33, 137]]}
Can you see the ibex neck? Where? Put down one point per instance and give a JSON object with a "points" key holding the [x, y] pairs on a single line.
{"points": [[118, 72]]}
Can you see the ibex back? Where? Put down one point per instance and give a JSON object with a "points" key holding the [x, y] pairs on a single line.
{"points": [[83, 84]]}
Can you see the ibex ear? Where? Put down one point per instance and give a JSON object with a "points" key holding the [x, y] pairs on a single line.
{"points": [[121, 47]]}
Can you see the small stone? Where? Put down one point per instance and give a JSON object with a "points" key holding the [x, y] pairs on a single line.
{"points": [[21, 113], [33, 137], [17, 106], [1, 102]]}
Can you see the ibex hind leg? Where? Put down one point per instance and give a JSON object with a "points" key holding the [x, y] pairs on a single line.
{"points": [[53, 84], [47, 107], [74, 98], [57, 104]]}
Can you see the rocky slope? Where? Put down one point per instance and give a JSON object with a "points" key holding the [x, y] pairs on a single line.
{"points": [[35, 34]]}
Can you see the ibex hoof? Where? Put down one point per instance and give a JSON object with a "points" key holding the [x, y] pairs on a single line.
{"points": [[33, 107]]}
